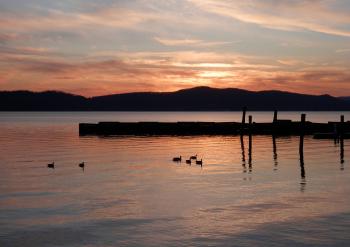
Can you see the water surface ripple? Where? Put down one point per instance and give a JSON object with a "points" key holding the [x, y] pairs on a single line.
{"points": [[132, 194]]}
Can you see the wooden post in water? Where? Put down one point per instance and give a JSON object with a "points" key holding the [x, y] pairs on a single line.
{"points": [[341, 131], [243, 114], [341, 139], [275, 116], [302, 132], [301, 148], [303, 118], [250, 143]]}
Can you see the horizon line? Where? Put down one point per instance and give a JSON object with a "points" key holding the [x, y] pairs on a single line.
{"points": [[160, 92]]}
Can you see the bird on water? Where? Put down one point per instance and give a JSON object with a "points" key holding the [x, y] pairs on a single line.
{"points": [[199, 162], [82, 164], [177, 159], [193, 157], [51, 165], [188, 161]]}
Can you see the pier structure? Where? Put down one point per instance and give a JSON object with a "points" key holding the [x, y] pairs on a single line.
{"points": [[276, 127]]}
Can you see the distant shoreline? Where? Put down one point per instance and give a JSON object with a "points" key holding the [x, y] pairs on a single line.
{"points": [[203, 99], [160, 111]]}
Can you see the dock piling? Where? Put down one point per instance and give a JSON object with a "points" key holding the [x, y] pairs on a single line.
{"points": [[250, 144], [341, 140], [301, 150], [244, 110], [302, 132], [275, 116], [341, 129]]}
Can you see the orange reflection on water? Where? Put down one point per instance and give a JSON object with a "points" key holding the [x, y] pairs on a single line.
{"points": [[238, 188]]}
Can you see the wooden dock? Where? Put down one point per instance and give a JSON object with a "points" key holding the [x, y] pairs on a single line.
{"points": [[338, 131], [328, 130]]}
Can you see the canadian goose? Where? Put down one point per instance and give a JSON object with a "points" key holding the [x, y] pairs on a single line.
{"points": [[188, 161], [177, 159], [51, 165], [82, 164], [199, 162], [193, 157]]}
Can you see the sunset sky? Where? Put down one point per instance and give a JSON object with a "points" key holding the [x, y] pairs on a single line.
{"points": [[101, 47]]}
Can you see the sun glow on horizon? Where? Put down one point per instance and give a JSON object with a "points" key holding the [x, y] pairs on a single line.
{"points": [[215, 74]]}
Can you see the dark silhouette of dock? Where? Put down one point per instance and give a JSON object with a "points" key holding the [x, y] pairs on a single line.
{"points": [[278, 127]]}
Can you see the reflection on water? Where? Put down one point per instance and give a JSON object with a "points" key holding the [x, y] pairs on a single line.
{"points": [[274, 148], [342, 154], [250, 151], [302, 170], [243, 154], [130, 193]]}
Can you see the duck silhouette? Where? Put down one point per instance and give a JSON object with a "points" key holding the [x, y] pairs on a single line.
{"points": [[177, 159], [193, 157], [82, 164], [51, 165], [199, 162]]}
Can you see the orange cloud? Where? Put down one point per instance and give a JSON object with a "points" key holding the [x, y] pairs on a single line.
{"points": [[164, 71]]}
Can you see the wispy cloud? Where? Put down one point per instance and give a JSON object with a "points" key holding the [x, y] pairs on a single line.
{"points": [[8, 37], [294, 62], [177, 42], [59, 20], [343, 50], [314, 15], [190, 42]]}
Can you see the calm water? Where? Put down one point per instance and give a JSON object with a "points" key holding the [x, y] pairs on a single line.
{"points": [[132, 194]]}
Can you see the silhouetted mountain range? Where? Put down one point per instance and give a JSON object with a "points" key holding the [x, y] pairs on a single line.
{"points": [[194, 99]]}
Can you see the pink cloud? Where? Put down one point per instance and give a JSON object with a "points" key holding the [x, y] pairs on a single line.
{"points": [[164, 71]]}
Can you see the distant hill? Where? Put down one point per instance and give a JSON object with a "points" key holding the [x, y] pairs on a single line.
{"points": [[194, 99], [43, 101]]}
